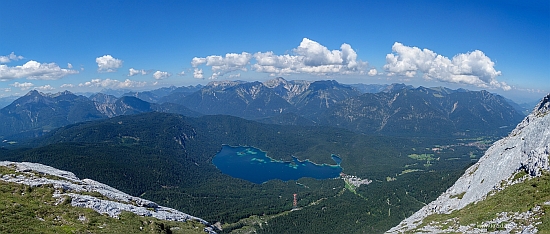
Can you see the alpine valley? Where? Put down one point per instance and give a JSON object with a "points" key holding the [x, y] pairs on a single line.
{"points": [[399, 147]]}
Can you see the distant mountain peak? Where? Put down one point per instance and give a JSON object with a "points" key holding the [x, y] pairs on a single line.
{"points": [[275, 82], [66, 92], [35, 92], [115, 92], [397, 87], [33, 96], [225, 83]]}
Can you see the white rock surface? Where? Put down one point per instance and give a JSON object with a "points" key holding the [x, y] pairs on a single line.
{"points": [[526, 148], [70, 185]]}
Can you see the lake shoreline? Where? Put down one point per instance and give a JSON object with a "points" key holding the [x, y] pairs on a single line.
{"points": [[253, 164]]}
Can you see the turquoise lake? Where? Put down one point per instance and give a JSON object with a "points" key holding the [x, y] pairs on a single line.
{"points": [[254, 165]]}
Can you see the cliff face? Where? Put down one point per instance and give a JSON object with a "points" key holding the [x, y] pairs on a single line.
{"points": [[107, 200], [526, 149]]}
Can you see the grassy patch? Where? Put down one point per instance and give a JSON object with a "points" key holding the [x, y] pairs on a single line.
{"points": [[519, 175], [544, 227], [7, 170], [422, 157], [516, 198], [350, 187], [409, 171], [25, 209], [459, 196]]}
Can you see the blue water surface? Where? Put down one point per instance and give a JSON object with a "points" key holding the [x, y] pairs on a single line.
{"points": [[254, 165]]}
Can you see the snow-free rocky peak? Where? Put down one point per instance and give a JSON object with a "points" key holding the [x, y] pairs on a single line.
{"points": [[526, 148]]}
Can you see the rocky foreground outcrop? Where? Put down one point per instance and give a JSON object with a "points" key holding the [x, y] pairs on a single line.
{"points": [[104, 199], [527, 148]]}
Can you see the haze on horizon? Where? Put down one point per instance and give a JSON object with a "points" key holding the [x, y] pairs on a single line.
{"points": [[499, 46]]}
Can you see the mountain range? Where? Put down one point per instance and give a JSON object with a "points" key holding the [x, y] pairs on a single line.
{"points": [[167, 158], [394, 110]]}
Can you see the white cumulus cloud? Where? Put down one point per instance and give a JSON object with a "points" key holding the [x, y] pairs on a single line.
{"points": [[35, 71], [109, 83], [197, 61], [315, 54], [69, 65], [222, 65], [269, 62], [45, 88], [312, 58], [472, 68], [197, 73], [10, 57], [22, 86], [63, 86], [373, 72], [133, 72], [159, 75], [107, 63], [182, 73]]}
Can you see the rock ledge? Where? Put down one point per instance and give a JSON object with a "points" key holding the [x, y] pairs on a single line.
{"points": [[112, 201]]}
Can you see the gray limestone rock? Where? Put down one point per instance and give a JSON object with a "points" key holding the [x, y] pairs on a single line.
{"points": [[112, 203], [526, 148]]}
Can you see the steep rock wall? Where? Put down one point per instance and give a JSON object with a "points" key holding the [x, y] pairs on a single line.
{"points": [[526, 148]]}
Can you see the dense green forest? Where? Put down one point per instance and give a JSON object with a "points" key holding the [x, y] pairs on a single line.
{"points": [[167, 158]]}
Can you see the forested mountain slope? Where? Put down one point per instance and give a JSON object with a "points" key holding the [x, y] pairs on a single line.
{"points": [[35, 114], [167, 158], [424, 111]]}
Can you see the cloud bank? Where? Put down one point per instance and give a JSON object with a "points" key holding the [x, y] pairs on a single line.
{"points": [[27, 85], [109, 83], [107, 63], [309, 57], [472, 68], [45, 88], [34, 71], [23, 86]]}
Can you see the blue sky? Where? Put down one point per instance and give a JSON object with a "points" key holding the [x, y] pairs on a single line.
{"points": [[84, 46]]}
